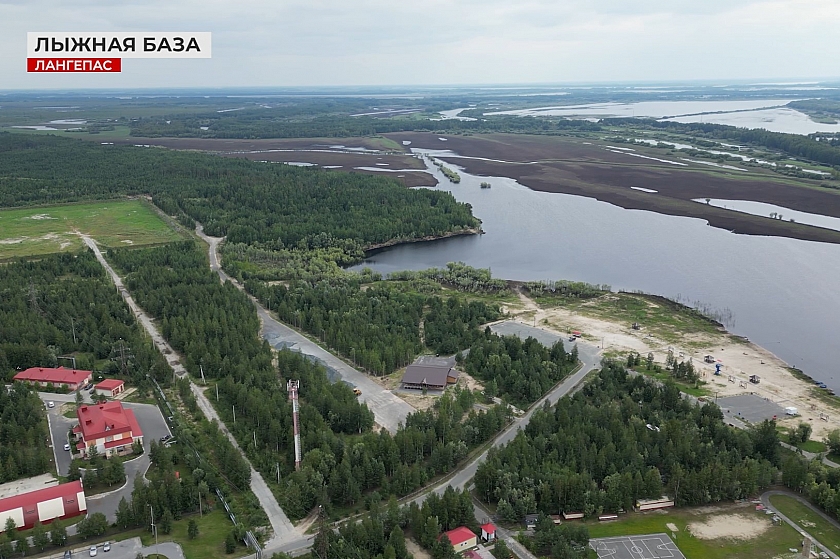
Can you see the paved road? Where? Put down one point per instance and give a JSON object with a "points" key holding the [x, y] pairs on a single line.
{"points": [[388, 409], [280, 523], [765, 499], [590, 358]]}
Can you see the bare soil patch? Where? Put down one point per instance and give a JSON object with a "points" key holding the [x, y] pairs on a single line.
{"points": [[731, 526], [414, 548]]}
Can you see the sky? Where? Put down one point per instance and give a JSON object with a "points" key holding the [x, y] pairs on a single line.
{"points": [[277, 43]]}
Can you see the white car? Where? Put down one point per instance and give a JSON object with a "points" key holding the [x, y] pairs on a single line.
{"points": [[93, 551], [66, 446], [50, 404], [106, 546]]}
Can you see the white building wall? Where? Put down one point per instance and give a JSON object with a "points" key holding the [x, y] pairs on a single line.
{"points": [[80, 498], [47, 510], [14, 514]]}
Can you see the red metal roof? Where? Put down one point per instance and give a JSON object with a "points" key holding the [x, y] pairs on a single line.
{"points": [[104, 420], [489, 528], [64, 490], [459, 535], [109, 384], [56, 376]]}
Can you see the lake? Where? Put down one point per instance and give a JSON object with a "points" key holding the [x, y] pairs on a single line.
{"points": [[781, 292], [770, 114]]}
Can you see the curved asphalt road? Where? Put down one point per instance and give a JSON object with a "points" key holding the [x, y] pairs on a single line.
{"points": [[765, 500], [590, 359], [388, 409]]}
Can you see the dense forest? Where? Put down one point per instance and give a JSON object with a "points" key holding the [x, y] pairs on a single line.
{"points": [[621, 438], [64, 304], [24, 435], [269, 206], [376, 325], [521, 370], [215, 327]]}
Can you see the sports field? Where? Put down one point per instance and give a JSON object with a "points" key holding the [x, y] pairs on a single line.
{"points": [[50, 229]]}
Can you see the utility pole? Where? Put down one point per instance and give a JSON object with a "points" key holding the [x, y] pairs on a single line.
{"points": [[154, 527], [234, 414]]}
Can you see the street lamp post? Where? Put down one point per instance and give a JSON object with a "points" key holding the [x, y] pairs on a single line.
{"points": [[154, 527]]}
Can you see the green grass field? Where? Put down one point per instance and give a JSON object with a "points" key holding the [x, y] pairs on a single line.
{"points": [[774, 541], [40, 230], [210, 543], [808, 520]]}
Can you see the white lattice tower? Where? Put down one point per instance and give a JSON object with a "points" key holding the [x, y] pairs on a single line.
{"points": [[292, 387]]}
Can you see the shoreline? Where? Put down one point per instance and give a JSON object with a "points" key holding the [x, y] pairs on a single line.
{"points": [[780, 382], [373, 249]]}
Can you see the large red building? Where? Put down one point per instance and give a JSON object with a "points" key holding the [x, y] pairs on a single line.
{"points": [[109, 427], [45, 376], [44, 505]]}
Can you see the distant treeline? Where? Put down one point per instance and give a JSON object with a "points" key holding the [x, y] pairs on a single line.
{"points": [[795, 145], [261, 124]]}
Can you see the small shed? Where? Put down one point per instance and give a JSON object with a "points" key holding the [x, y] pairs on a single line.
{"points": [[110, 387], [573, 515], [530, 520], [488, 532]]}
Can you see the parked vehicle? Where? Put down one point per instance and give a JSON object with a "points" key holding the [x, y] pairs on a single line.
{"points": [[50, 404], [93, 551], [66, 446], [106, 546]]}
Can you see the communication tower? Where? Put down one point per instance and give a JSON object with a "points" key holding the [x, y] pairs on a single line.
{"points": [[292, 387]]}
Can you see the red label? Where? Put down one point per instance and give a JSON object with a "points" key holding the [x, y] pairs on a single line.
{"points": [[73, 65]]}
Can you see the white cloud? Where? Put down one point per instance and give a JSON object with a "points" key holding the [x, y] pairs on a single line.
{"points": [[330, 42]]}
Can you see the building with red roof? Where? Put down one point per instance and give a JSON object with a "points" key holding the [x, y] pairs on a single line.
{"points": [[58, 377], [109, 427], [461, 538], [44, 505], [109, 387], [488, 532]]}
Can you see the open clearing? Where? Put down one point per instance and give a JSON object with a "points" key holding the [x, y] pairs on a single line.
{"points": [[758, 538], [608, 320], [41, 230]]}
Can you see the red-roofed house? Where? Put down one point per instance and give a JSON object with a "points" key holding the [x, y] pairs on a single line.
{"points": [[109, 387], [461, 538], [488, 532], [108, 427], [44, 376], [44, 505]]}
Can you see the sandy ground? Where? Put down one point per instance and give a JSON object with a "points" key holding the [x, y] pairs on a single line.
{"points": [[733, 526], [415, 549], [740, 360]]}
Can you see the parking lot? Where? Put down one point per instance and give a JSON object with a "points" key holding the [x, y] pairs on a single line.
{"points": [[751, 407]]}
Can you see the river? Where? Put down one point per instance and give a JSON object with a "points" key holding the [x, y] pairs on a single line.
{"points": [[781, 292]]}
